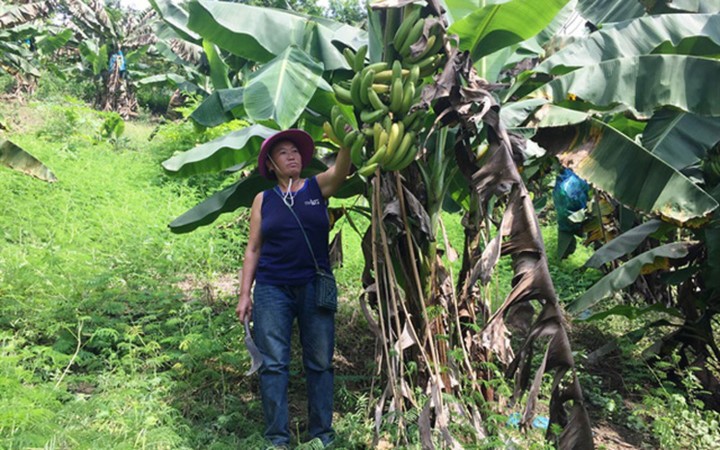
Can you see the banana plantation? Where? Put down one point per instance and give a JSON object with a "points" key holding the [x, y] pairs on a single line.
{"points": [[476, 129]]}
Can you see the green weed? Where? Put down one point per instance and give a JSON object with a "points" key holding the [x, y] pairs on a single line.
{"points": [[677, 417]]}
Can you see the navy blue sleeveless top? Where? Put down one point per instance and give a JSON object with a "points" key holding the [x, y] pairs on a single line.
{"points": [[284, 255]]}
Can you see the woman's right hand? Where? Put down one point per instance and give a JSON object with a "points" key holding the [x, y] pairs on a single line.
{"points": [[244, 307]]}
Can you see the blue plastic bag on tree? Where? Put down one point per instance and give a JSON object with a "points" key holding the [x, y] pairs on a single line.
{"points": [[569, 195]]}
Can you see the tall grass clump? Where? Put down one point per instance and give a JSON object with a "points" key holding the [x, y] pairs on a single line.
{"points": [[107, 322]]}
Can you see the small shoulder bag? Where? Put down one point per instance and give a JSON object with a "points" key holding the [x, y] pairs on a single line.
{"points": [[325, 285]]}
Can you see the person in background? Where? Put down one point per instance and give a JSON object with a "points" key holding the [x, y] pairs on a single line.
{"points": [[281, 261]]}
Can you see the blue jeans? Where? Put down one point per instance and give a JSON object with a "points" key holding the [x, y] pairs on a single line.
{"points": [[274, 310]]}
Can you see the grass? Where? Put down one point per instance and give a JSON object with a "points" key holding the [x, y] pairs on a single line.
{"points": [[89, 260], [112, 331]]}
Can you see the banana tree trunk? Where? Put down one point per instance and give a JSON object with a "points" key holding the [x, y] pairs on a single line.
{"points": [[437, 337], [116, 94]]}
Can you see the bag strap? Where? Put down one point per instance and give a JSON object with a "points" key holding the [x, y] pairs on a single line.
{"points": [[307, 241]]}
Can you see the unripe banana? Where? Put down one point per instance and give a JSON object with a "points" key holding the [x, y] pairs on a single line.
{"points": [[377, 130], [342, 94], [413, 36], [359, 60], [367, 81], [372, 115], [396, 95], [349, 139], [404, 28], [381, 88], [401, 153], [388, 75], [410, 120], [414, 74], [378, 66], [355, 91], [367, 170], [382, 139], [378, 155], [408, 158], [431, 48], [327, 128], [396, 69], [334, 113], [408, 98], [375, 100], [435, 62], [387, 122], [427, 62], [356, 155], [383, 76], [394, 138], [338, 123], [349, 57]]}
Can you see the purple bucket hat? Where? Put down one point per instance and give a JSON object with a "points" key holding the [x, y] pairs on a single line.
{"points": [[300, 138]]}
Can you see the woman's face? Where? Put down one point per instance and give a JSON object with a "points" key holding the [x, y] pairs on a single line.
{"points": [[287, 158]]}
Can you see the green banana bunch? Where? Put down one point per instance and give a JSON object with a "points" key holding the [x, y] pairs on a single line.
{"points": [[394, 147], [382, 95]]}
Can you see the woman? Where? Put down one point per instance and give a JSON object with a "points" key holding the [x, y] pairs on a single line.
{"points": [[279, 260]]}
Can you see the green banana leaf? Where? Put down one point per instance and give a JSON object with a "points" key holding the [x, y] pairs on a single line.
{"points": [[283, 87], [236, 195], [17, 57], [175, 81], [680, 139], [564, 18], [96, 56], [643, 83], [328, 37], [605, 11], [16, 158], [628, 126], [176, 16], [239, 147], [218, 68], [623, 244], [611, 161], [491, 66], [48, 43], [346, 35], [550, 115], [514, 114], [497, 26], [260, 34], [625, 275], [637, 37], [242, 193], [457, 9], [458, 194], [223, 105]]}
